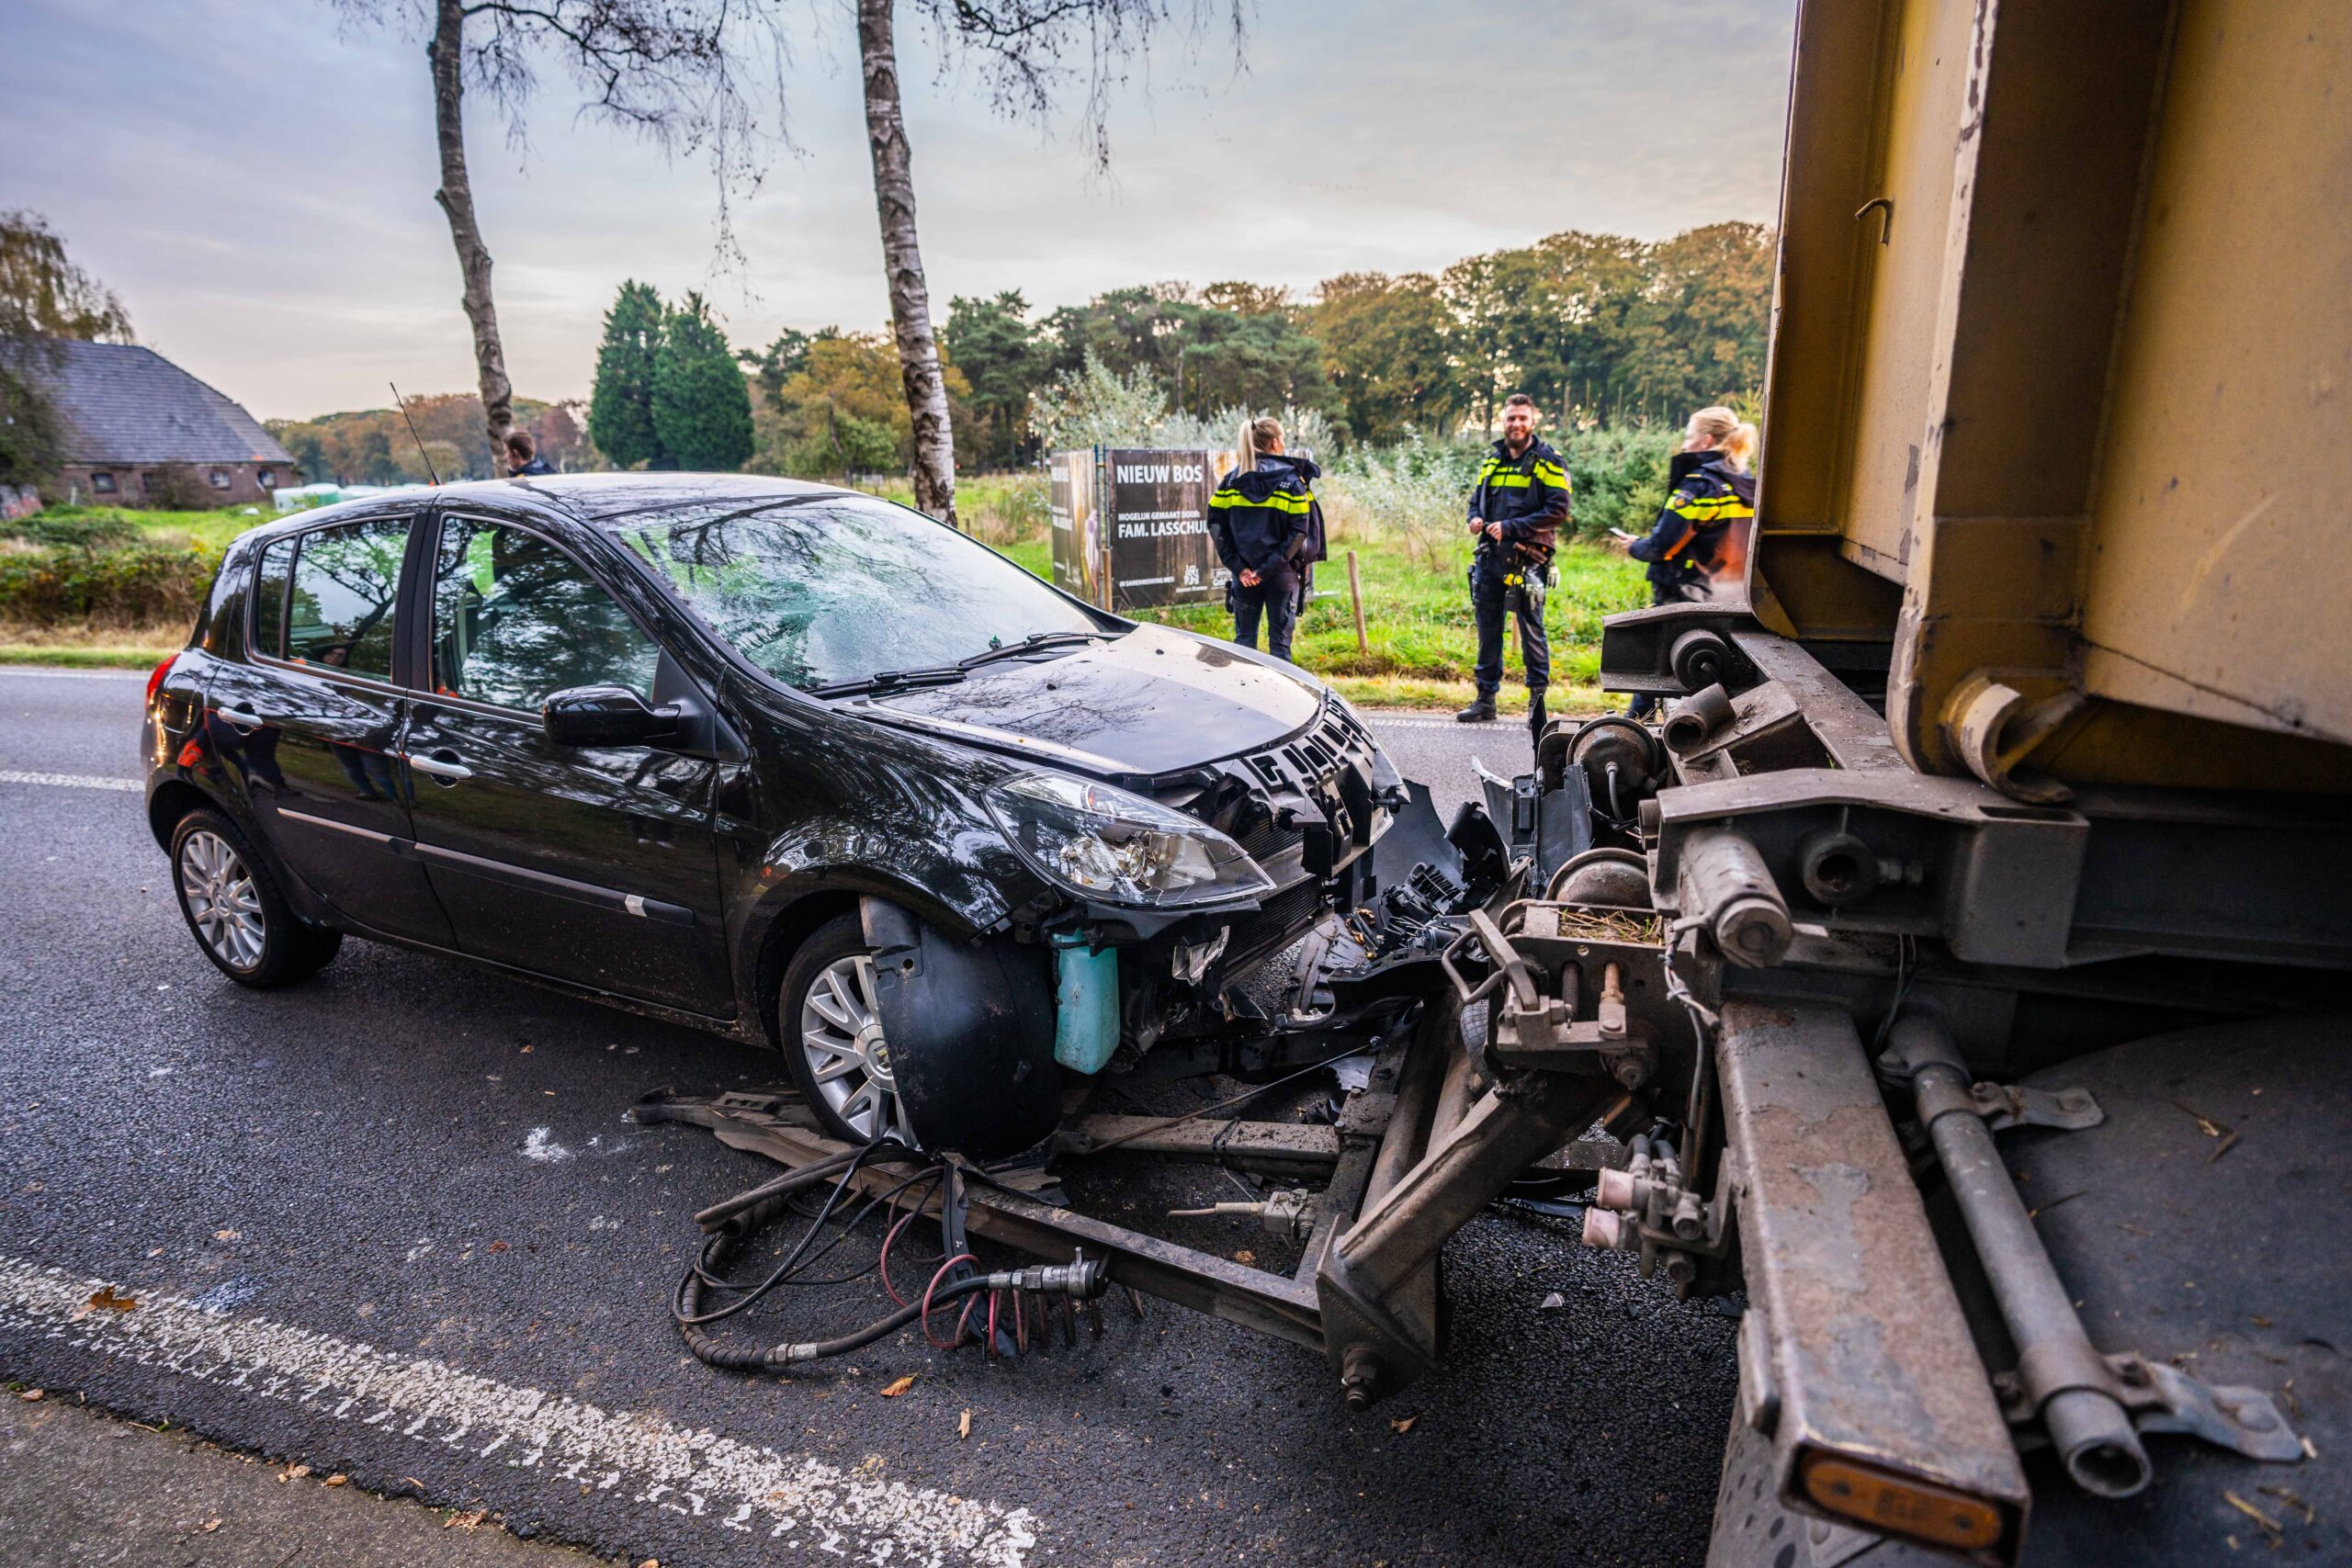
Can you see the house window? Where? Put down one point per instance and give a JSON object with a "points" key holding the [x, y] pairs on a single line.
{"points": [[102, 484], [220, 477], [268, 477]]}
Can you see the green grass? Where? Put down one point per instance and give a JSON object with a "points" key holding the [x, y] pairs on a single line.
{"points": [[1421, 642], [213, 528], [89, 656]]}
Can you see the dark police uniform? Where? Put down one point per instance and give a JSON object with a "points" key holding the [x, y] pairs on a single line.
{"points": [[1529, 495], [1267, 521], [1709, 499]]}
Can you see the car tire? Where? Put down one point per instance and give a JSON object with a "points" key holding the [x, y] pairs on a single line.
{"points": [[236, 911], [834, 1044]]}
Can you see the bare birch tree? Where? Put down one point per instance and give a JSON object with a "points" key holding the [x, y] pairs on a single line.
{"points": [[671, 71], [1032, 53]]}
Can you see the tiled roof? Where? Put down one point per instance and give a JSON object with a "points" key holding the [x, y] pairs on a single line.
{"points": [[118, 403]]}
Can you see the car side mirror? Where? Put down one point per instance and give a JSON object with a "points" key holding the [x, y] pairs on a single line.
{"points": [[606, 715]]}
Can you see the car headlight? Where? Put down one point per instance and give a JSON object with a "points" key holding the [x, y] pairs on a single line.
{"points": [[1105, 843]]}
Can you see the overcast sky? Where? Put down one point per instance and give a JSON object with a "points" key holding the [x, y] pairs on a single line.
{"points": [[255, 176]]}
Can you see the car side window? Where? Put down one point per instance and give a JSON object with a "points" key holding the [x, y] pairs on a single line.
{"points": [[339, 605], [270, 599], [515, 621]]}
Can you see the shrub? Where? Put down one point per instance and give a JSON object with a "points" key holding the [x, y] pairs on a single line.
{"points": [[177, 486], [137, 583]]}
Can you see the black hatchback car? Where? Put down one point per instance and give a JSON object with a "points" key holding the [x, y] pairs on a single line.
{"points": [[775, 759]]}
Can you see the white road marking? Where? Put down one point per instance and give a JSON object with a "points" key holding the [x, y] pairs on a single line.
{"points": [[68, 781], [633, 1457], [45, 672]]}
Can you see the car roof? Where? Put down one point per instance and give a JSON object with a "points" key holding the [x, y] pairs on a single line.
{"points": [[584, 498]]}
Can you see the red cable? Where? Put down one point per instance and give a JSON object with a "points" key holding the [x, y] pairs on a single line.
{"points": [[991, 1345], [959, 1257]]}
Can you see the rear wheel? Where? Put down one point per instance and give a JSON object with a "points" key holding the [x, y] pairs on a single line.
{"points": [[833, 1040], [236, 911]]}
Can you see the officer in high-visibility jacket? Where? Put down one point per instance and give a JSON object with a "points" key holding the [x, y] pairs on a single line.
{"points": [[1517, 509], [1268, 531], [1707, 515]]}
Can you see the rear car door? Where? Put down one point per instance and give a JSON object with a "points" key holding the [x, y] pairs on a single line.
{"points": [[312, 717], [592, 865]]}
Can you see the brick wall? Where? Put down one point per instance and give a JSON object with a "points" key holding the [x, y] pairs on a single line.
{"points": [[142, 485]]}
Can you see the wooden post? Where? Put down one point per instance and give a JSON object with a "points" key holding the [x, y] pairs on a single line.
{"points": [[1355, 595]]}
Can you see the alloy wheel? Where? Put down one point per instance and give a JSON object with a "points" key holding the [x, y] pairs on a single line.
{"points": [[221, 899], [848, 1057]]}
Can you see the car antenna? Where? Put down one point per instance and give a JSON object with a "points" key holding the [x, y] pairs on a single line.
{"points": [[413, 436]]}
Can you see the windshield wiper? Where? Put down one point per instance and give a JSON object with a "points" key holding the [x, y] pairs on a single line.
{"points": [[1029, 643], [889, 680]]}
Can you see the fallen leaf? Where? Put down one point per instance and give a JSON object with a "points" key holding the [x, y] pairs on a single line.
{"points": [[525, 1051], [228, 1236], [211, 1525], [964, 1426], [1402, 1425], [1245, 1256], [899, 1387], [337, 1479], [496, 1247], [32, 1395], [467, 1521], [105, 1296]]}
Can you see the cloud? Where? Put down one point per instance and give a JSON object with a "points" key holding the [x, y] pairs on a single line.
{"points": [[256, 177]]}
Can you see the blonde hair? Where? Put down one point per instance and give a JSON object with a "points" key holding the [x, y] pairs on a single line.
{"points": [[1256, 436], [1732, 435]]}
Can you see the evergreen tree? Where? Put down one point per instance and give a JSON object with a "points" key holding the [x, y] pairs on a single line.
{"points": [[621, 416], [701, 409]]}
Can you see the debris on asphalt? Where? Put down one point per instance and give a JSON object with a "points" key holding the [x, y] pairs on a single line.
{"points": [[32, 1395], [964, 1426], [1403, 1424], [899, 1387], [108, 1298], [1552, 1302]]}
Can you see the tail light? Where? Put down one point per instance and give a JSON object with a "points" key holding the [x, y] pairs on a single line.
{"points": [[156, 680]]}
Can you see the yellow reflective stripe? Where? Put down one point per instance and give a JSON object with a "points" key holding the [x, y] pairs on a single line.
{"points": [[1280, 500], [1551, 472], [1509, 481]]}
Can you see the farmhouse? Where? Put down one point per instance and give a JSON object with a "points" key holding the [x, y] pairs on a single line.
{"points": [[136, 428]]}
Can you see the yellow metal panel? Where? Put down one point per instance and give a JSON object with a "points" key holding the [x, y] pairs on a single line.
{"points": [[2082, 409], [2220, 571]]}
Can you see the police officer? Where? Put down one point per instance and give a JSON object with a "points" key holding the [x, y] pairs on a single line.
{"points": [[1516, 511], [1705, 518], [1268, 531]]}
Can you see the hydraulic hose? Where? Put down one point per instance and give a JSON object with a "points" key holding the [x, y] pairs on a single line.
{"points": [[733, 1221]]}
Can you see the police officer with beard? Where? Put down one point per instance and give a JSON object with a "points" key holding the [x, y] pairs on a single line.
{"points": [[1517, 509]]}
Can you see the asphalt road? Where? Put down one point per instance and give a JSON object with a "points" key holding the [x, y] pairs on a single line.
{"points": [[391, 1223]]}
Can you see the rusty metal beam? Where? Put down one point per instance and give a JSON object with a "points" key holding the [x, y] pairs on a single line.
{"points": [[1835, 1365]]}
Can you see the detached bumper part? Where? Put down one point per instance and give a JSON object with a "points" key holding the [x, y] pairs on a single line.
{"points": [[1086, 1004]]}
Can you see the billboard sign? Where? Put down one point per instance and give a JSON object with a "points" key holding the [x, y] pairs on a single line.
{"points": [[1131, 526]]}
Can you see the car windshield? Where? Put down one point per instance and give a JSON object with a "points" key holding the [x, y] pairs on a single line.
{"points": [[825, 589]]}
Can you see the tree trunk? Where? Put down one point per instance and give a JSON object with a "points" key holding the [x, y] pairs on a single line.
{"points": [[456, 199], [894, 202]]}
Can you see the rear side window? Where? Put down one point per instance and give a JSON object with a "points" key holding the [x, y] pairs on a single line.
{"points": [[270, 599], [515, 620], [339, 608]]}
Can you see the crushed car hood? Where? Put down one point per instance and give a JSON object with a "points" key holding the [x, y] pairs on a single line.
{"points": [[1149, 701]]}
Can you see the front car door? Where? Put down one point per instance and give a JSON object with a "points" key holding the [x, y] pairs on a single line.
{"points": [[592, 865], [312, 718]]}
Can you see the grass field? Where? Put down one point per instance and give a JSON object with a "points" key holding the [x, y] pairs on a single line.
{"points": [[1420, 640]]}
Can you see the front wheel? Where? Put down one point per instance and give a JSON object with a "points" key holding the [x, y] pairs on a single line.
{"points": [[236, 911], [833, 1040]]}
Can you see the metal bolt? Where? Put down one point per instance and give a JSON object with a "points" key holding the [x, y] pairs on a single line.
{"points": [[1360, 1379], [1631, 1073]]}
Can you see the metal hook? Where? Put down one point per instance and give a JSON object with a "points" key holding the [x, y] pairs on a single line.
{"points": [[1886, 215]]}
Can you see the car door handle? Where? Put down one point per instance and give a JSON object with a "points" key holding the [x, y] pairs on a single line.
{"points": [[242, 718], [442, 767]]}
